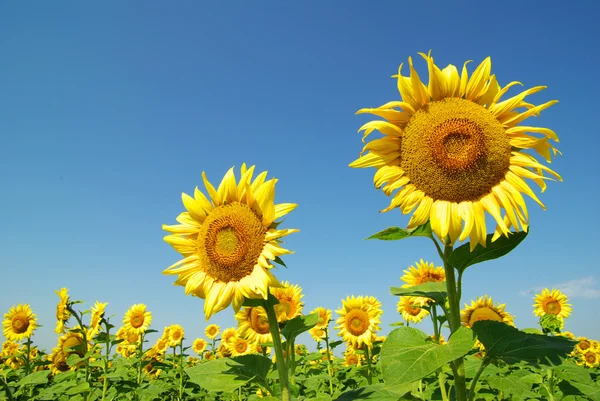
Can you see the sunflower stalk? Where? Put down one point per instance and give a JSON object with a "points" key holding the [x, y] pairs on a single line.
{"points": [[9, 396], [281, 365], [436, 337], [369, 367], [106, 360], [181, 370], [85, 345], [473, 386], [329, 367]]}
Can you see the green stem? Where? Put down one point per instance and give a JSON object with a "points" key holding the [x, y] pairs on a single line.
{"points": [[368, 356], [483, 365], [106, 361], [550, 387], [329, 367], [181, 371], [85, 346], [442, 383], [292, 363], [436, 338], [281, 367], [140, 354], [9, 396]]}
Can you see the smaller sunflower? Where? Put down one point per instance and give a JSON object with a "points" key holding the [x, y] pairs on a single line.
{"points": [[253, 324], [208, 356], [424, 272], [176, 334], [552, 302], [289, 305], [212, 331], [411, 309], [351, 358], [96, 319], [228, 334], [9, 348], [192, 360], [137, 319], [223, 351], [71, 343], [583, 345], [59, 361], [483, 308], [358, 321], [591, 358], [62, 311], [324, 316], [161, 345], [199, 345], [132, 337], [240, 346], [317, 333], [19, 323]]}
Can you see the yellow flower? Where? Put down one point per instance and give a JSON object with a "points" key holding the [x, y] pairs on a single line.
{"points": [[358, 321], [423, 273], [240, 346], [192, 360], [454, 151], [137, 319], [567, 334], [62, 313], [591, 358], [132, 337], [253, 324], [289, 305], [59, 361], [176, 334], [161, 345], [483, 308], [411, 308], [552, 302], [223, 351], [71, 343], [317, 333], [351, 358], [324, 316], [208, 356], [9, 348], [228, 334], [228, 240], [199, 345], [583, 345], [212, 331], [96, 319], [19, 323]]}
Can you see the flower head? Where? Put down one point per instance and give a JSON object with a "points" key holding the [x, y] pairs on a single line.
{"points": [[19, 323]]}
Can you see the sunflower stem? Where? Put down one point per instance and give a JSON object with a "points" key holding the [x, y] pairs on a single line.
{"points": [[9, 396], [550, 387], [106, 361], [329, 367], [368, 357], [292, 355], [181, 370], [85, 345], [281, 366], [453, 316], [483, 365]]}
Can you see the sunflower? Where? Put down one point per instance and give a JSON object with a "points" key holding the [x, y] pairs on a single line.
{"points": [[192, 360], [483, 308], [424, 272], [137, 319], [62, 311], [176, 334], [454, 151], [199, 345], [253, 324], [19, 323], [96, 319], [161, 345], [583, 345], [208, 356], [212, 331], [228, 240], [318, 333], [591, 358], [132, 337], [411, 309], [223, 351], [289, 305], [262, 349], [71, 343], [552, 302], [9, 348], [59, 361], [358, 321], [351, 358], [228, 334], [324, 316], [240, 346]]}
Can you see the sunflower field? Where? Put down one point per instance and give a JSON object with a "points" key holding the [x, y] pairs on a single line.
{"points": [[455, 155]]}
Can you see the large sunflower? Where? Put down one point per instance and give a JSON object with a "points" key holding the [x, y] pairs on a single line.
{"points": [[137, 319], [228, 240], [290, 304], [253, 324], [19, 323], [484, 308], [358, 321], [454, 151], [423, 272], [552, 302], [411, 308], [62, 311]]}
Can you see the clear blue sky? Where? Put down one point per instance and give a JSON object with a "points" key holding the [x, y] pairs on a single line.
{"points": [[108, 111]]}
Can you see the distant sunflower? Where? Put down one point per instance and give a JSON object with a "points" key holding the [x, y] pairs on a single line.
{"points": [[176, 334], [351, 358], [483, 308], [317, 333], [424, 272], [411, 309], [228, 334], [59, 361], [199, 345], [161, 345], [240, 346], [324, 316], [289, 297], [228, 240], [591, 358], [223, 351], [583, 345], [71, 343], [132, 337], [454, 151], [19, 323], [253, 324], [137, 319], [358, 321], [96, 319], [552, 302], [212, 331], [62, 312]]}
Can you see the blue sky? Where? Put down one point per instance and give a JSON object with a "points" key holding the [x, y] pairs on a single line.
{"points": [[109, 111]]}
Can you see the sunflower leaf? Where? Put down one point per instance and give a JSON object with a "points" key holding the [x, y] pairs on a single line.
{"points": [[34, 378], [462, 257], [409, 354], [255, 303], [397, 233], [375, 392], [435, 291], [298, 325], [228, 374], [510, 345], [279, 261]]}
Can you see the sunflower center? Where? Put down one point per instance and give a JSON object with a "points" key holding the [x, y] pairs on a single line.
{"points": [[137, 320], [584, 345], [590, 358], [432, 277], [413, 310], [230, 241], [72, 345], [553, 307], [357, 322], [484, 313], [259, 322], [241, 346], [176, 335], [132, 337], [20, 324], [455, 150]]}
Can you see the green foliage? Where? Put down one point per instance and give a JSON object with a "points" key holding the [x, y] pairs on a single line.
{"points": [[435, 291], [397, 233], [298, 325], [228, 374]]}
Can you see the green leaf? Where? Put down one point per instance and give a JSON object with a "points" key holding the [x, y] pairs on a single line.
{"points": [[511, 384], [579, 381], [34, 378], [376, 392], [397, 233], [78, 389], [462, 257], [435, 291], [255, 303], [227, 374], [298, 325], [279, 261], [409, 354], [510, 345], [334, 344]]}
